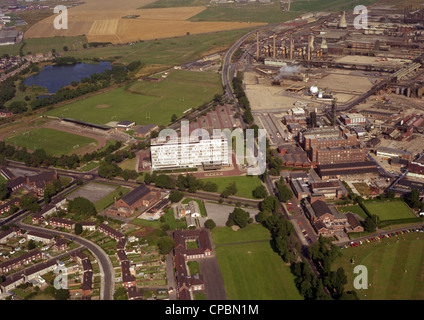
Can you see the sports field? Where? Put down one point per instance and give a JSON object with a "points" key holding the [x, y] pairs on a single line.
{"points": [[253, 271], [245, 184], [395, 267], [390, 210], [54, 142], [146, 102]]}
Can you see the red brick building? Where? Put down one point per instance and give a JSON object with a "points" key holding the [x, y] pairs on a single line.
{"points": [[139, 198]]}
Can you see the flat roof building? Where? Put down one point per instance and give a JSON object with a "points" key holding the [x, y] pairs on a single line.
{"points": [[174, 154]]}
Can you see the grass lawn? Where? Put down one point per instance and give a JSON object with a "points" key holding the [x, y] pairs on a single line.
{"points": [[252, 232], [354, 209], [254, 271], [109, 199], [386, 262], [245, 184], [390, 210], [54, 142], [146, 102]]}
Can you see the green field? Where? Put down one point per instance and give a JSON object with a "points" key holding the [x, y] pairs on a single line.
{"points": [[147, 102], [110, 198], [165, 52], [252, 232], [44, 45], [354, 209], [54, 142], [390, 210], [395, 268], [253, 271], [245, 184]]}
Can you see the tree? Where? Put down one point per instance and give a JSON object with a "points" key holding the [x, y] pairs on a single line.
{"points": [[61, 294], [270, 204], [31, 245], [65, 48], [230, 190], [174, 118], [284, 192], [83, 206], [78, 228], [239, 217], [210, 224], [29, 202], [175, 195], [4, 191], [165, 244], [260, 192]]}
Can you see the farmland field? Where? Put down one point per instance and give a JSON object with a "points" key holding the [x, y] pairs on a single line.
{"points": [[254, 271], [104, 21], [395, 267], [245, 184], [390, 210], [54, 142], [147, 102]]}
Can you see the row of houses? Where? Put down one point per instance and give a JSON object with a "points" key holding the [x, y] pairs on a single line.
{"points": [[128, 280], [31, 274], [87, 282]]}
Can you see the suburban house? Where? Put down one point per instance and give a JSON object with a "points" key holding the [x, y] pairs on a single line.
{"points": [[139, 199], [55, 205], [39, 237], [16, 183], [88, 225], [10, 233], [20, 261], [61, 223], [128, 280], [87, 282], [116, 235], [60, 244]]}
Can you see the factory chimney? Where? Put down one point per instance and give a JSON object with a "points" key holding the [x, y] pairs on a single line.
{"points": [[274, 48], [309, 48], [342, 22], [257, 45], [291, 46]]}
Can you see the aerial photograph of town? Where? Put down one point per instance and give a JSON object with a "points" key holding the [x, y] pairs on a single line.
{"points": [[225, 152]]}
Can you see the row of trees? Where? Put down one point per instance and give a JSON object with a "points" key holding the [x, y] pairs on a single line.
{"points": [[39, 158], [242, 98]]}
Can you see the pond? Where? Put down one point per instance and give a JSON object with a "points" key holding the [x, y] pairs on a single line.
{"points": [[55, 77]]}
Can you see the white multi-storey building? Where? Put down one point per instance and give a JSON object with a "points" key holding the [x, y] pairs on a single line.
{"points": [[195, 152]]}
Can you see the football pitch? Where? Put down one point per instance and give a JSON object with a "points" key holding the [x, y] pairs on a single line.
{"points": [[146, 102], [54, 142], [395, 267], [253, 271]]}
